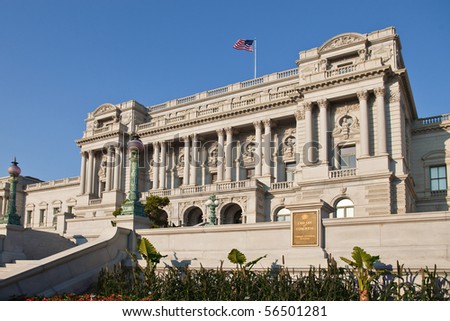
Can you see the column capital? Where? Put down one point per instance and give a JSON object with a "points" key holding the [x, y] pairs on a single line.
{"points": [[185, 139], [267, 122], [307, 105], [155, 145], [229, 130], [219, 132], [362, 95], [323, 103], [299, 114], [257, 124], [379, 92]]}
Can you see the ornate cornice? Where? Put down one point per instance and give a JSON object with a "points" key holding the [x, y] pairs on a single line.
{"points": [[251, 109], [345, 79], [98, 137]]}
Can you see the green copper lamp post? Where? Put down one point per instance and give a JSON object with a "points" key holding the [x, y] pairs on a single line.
{"points": [[11, 216], [132, 205], [212, 203]]}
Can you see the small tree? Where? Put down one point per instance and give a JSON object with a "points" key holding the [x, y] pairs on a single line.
{"points": [[154, 209]]}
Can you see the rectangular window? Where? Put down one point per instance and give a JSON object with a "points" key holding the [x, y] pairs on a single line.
{"points": [[213, 178], [41, 216], [29, 217], [55, 210], [290, 169], [250, 173], [347, 157], [69, 209], [438, 178]]}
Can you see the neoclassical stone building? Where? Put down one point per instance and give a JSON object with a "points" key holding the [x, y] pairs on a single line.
{"points": [[304, 164], [340, 128]]}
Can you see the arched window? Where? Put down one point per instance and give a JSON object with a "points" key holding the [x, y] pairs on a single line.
{"points": [[345, 208], [283, 215]]}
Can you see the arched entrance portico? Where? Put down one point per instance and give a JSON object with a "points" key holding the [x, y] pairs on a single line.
{"points": [[193, 216], [231, 214]]}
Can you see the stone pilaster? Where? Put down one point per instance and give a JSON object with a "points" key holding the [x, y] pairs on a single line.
{"points": [[364, 122]]}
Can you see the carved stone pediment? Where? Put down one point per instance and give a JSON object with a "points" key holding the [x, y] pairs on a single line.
{"points": [[105, 108], [341, 41]]}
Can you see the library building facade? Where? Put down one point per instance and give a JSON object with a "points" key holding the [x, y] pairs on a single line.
{"points": [[302, 164]]}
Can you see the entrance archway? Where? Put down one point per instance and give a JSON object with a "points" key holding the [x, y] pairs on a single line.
{"points": [[231, 214], [193, 216]]}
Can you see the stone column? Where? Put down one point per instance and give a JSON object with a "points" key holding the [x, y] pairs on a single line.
{"points": [[323, 105], [308, 131], [220, 155], [258, 148], [90, 176], [83, 173], [299, 116], [237, 161], [162, 167], [117, 167], [204, 160], [109, 164], [194, 158], [229, 153], [364, 122], [267, 154], [381, 119], [186, 161], [173, 169], [155, 165], [275, 157]]}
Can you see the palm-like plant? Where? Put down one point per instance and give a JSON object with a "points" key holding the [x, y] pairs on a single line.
{"points": [[365, 271], [237, 257]]}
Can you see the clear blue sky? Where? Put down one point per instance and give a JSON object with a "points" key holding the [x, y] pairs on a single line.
{"points": [[60, 59]]}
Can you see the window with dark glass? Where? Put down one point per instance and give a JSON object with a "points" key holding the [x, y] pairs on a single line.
{"points": [[347, 157], [290, 170], [438, 178]]}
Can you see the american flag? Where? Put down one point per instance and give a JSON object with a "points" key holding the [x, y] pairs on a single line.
{"points": [[242, 44]]}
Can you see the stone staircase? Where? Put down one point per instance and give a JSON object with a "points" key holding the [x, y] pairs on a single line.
{"points": [[72, 270]]}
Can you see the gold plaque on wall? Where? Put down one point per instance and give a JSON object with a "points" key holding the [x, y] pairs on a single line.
{"points": [[305, 228]]}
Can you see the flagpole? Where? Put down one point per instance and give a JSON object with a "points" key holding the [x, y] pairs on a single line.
{"points": [[254, 71]]}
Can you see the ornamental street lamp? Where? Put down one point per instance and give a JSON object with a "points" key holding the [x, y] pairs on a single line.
{"points": [[212, 203], [11, 216], [132, 205]]}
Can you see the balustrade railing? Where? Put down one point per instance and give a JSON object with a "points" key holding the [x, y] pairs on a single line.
{"points": [[192, 189], [175, 119], [95, 201], [281, 94], [210, 188], [442, 193], [243, 103], [433, 120], [252, 82], [340, 71], [217, 91], [207, 111], [57, 182], [287, 73], [281, 185], [186, 99], [342, 173]]}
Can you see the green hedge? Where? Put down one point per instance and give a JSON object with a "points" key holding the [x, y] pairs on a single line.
{"points": [[330, 283]]}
